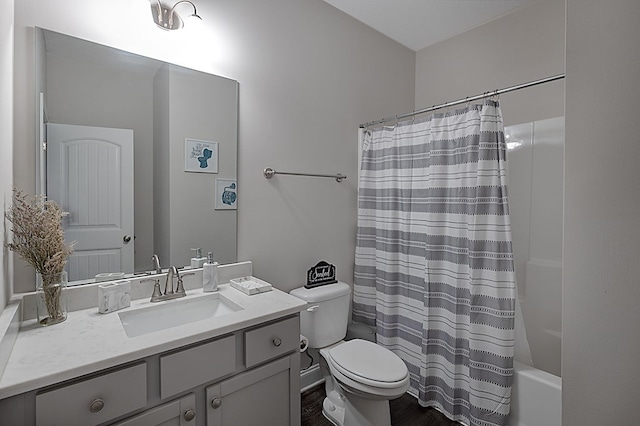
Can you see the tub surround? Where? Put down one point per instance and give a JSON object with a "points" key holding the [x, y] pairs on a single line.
{"points": [[536, 397], [89, 341]]}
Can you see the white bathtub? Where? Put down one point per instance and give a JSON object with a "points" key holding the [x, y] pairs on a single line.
{"points": [[536, 397]]}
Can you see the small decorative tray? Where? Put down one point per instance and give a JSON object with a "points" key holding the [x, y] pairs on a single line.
{"points": [[250, 285]]}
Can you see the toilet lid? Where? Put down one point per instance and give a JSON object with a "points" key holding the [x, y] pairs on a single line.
{"points": [[368, 360]]}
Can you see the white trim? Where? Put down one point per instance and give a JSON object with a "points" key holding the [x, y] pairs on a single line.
{"points": [[310, 378]]}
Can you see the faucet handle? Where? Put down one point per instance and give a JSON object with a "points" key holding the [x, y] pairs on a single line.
{"points": [[157, 294], [180, 287]]}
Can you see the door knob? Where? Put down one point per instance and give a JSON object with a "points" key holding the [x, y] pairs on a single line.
{"points": [[126, 238], [277, 341]]}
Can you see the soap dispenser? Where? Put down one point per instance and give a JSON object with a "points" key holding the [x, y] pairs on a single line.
{"points": [[210, 274], [198, 261]]}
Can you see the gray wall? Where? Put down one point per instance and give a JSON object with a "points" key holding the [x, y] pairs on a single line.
{"points": [[309, 75], [205, 108], [190, 104], [524, 46], [161, 181], [601, 288], [6, 136]]}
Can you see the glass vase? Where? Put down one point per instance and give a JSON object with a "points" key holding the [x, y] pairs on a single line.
{"points": [[51, 298]]}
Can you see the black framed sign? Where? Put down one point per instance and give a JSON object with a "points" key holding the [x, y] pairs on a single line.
{"points": [[321, 274]]}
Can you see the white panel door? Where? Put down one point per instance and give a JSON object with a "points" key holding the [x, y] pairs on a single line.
{"points": [[90, 174]]}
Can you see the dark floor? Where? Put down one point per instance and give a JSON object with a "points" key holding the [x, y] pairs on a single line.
{"points": [[405, 411]]}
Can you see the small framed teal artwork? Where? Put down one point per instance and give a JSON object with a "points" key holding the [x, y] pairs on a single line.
{"points": [[226, 194], [200, 156]]}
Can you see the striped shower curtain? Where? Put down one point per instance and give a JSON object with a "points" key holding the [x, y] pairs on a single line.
{"points": [[434, 268]]}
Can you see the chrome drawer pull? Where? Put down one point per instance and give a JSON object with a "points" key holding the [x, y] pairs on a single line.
{"points": [[277, 341], [216, 403], [96, 405], [189, 415]]}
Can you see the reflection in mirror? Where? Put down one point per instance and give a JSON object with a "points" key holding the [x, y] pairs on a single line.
{"points": [[138, 151]]}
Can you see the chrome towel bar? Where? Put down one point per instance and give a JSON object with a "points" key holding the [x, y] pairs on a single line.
{"points": [[269, 172]]}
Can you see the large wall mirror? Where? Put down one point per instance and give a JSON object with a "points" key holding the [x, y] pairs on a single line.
{"points": [[141, 153]]}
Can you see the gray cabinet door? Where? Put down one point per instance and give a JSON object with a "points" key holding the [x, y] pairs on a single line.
{"points": [[256, 398], [180, 412]]}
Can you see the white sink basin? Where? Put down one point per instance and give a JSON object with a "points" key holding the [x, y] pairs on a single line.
{"points": [[173, 313]]}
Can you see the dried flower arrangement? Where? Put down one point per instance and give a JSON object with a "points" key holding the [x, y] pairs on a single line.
{"points": [[38, 238]]}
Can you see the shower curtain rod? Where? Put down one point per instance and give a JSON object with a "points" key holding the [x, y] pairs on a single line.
{"points": [[465, 100]]}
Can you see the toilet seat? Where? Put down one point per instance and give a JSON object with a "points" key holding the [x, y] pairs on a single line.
{"points": [[369, 364], [384, 383]]}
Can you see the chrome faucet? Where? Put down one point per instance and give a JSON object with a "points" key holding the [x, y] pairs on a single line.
{"points": [[168, 284], [156, 264], [169, 292]]}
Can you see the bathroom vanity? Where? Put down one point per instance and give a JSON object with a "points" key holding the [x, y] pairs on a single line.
{"points": [[240, 367]]}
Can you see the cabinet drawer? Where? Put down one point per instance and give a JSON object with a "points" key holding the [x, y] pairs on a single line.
{"points": [[270, 341], [95, 400], [188, 368], [179, 412]]}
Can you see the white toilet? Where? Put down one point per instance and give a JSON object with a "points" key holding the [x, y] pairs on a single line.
{"points": [[360, 376]]}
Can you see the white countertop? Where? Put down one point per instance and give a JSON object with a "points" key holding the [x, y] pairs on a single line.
{"points": [[89, 341]]}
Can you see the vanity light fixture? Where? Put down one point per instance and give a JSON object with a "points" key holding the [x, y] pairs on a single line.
{"points": [[166, 17]]}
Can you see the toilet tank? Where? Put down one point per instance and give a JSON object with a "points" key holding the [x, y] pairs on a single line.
{"points": [[324, 322]]}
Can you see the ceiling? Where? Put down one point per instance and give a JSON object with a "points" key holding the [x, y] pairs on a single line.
{"points": [[417, 24]]}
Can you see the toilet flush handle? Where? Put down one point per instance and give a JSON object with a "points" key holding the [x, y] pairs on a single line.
{"points": [[312, 308]]}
